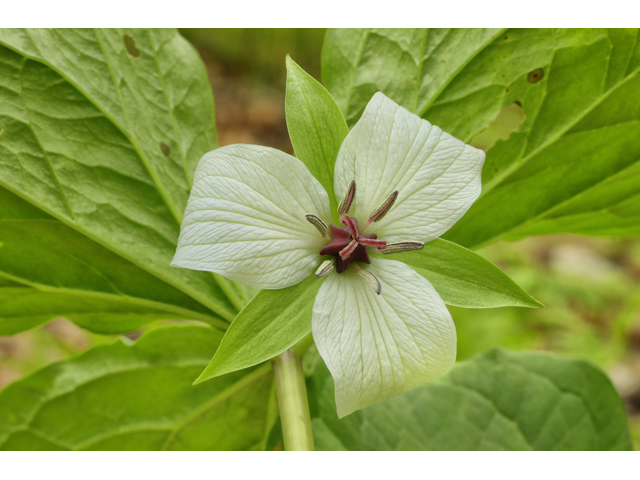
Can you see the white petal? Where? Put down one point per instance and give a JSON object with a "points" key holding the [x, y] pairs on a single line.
{"points": [[436, 175], [378, 346], [245, 218]]}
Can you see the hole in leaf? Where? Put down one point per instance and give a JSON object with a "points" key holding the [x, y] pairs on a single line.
{"points": [[508, 121], [165, 149], [535, 75], [130, 45]]}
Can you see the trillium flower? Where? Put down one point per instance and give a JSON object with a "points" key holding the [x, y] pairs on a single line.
{"points": [[258, 216]]}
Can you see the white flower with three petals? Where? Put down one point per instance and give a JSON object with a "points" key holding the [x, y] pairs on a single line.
{"points": [[258, 216]]}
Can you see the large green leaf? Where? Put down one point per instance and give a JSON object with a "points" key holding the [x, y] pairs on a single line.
{"points": [[139, 397], [56, 271], [411, 66], [497, 401], [102, 129], [464, 278], [571, 166], [316, 126], [22, 308], [272, 321]]}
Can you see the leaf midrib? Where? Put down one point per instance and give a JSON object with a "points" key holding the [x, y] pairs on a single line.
{"points": [[563, 203], [169, 279], [454, 75], [493, 183], [27, 424], [515, 166], [222, 283], [171, 115], [172, 430], [224, 313], [159, 307], [134, 142], [226, 393]]}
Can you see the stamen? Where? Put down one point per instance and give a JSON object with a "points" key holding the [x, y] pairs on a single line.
{"points": [[370, 242], [345, 203], [401, 247], [324, 269], [382, 210], [348, 250], [318, 223], [352, 225], [371, 280]]}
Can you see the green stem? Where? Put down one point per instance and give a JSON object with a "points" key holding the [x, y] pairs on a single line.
{"points": [[292, 399]]}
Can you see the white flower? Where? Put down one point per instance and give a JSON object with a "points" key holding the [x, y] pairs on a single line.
{"points": [[257, 215]]}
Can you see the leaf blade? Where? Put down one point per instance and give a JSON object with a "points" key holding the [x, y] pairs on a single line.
{"points": [[272, 321], [464, 278], [49, 260], [57, 404], [497, 401], [26, 308], [568, 167], [70, 148], [315, 124]]}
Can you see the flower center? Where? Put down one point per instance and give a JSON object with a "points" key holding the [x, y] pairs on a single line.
{"points": [[350, 244]]}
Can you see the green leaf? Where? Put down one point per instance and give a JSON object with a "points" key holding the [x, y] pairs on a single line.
{"points": [[316, 126], [102, 129], [56, 271], [464, 278], [24, 308], [139, 397], [270, 323], [497, 401], [571, 166], [411, 66]]}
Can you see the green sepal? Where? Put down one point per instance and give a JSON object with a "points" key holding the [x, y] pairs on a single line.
{"points": [[316, 126], [463, 278], [273, 321]]}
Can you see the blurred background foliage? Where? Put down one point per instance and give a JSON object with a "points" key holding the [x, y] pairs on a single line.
{"points": [[590, 286]]}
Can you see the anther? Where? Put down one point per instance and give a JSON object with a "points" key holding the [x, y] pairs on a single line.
{"points": [[371, 280], [318, 223], [401, 247], [347, 200], [382, 210], [324, 269], [352, 225], [348, 250], [370, 242]]}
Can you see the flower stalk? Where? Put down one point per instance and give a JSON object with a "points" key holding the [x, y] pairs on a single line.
{"points": [[293, 402]]}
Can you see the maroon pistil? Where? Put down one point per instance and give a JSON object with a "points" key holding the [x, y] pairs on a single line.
{"points": [[349, 244]]}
